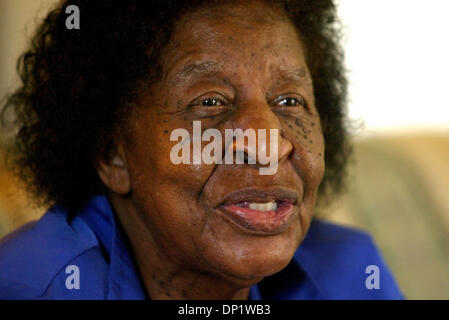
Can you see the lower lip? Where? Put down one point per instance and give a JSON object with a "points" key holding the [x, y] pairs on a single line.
{"points": [[262, 222]]}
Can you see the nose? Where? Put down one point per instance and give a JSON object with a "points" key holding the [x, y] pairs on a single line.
{"points": [[257, 135]]}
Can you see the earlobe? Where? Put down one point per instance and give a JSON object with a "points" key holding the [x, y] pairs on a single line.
{"points": [[114, 174]]}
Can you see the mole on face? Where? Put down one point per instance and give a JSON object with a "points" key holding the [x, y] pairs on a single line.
{"points": [[302, 133], [300, 124]]}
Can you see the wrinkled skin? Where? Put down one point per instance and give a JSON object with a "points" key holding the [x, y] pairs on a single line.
{"points": [[248, 58]]}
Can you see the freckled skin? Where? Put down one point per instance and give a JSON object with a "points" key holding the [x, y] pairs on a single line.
{"points": [[183, 248]]}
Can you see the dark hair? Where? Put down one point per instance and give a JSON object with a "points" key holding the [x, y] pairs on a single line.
{"points": [[78, 87]]}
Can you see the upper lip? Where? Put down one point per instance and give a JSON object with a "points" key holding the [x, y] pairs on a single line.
{"points": [[260, 196]]}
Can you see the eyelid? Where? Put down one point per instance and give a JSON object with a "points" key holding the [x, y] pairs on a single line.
{"points": [[296, 96], [209, 95]]}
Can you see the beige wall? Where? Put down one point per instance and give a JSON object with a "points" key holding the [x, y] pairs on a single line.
{"points": [[18, 19], [17, 22]]}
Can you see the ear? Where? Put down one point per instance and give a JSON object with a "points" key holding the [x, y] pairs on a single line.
{"points": [[113, 171]]}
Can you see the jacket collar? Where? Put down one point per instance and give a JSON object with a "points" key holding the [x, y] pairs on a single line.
{"points": [[123, 281]]}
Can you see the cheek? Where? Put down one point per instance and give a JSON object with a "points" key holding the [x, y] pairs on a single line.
{"points": [[153, 153], [308, 155], [166, 195], [168, 192]]}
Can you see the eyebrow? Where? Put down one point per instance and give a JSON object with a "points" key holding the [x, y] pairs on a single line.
{"points": [[197, 69], [296, 74]]}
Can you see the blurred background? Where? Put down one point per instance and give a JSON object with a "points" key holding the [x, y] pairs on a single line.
{"points": [[397, 57]]}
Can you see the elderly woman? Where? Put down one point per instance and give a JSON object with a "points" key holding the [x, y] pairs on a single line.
{"points": [[97, 111]]}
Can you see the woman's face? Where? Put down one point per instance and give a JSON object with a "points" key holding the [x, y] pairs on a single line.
{"points": [[232, 67]]}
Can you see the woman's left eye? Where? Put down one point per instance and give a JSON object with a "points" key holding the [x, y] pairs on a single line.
{"points": [[290, 102]]}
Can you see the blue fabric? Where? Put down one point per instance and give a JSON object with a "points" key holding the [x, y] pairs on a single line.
{"points": [[329, 264]]}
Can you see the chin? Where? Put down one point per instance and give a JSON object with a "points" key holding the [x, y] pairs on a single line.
{"points": [[246, 267], [244, 276]]}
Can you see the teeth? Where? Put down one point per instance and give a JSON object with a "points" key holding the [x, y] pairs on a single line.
{"points": [[269, 206]]}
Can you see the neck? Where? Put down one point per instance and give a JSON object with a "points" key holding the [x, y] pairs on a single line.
{"points": [[179, 285]]}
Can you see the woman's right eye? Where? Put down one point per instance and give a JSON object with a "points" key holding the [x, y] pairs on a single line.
{"points": [[209, 100], [209, 104]]}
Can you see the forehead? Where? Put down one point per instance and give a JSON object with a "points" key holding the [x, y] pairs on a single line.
{"points": [[224, 37]]}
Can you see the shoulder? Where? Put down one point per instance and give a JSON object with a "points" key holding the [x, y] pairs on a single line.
{"points": [[37, 259], [345, 263]]}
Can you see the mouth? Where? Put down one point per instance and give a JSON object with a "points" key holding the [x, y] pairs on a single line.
{"points": [[260, 212]]}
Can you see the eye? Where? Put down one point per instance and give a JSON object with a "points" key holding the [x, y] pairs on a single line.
{"points": [[212, 99], [212, 102], [291, 102]]}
